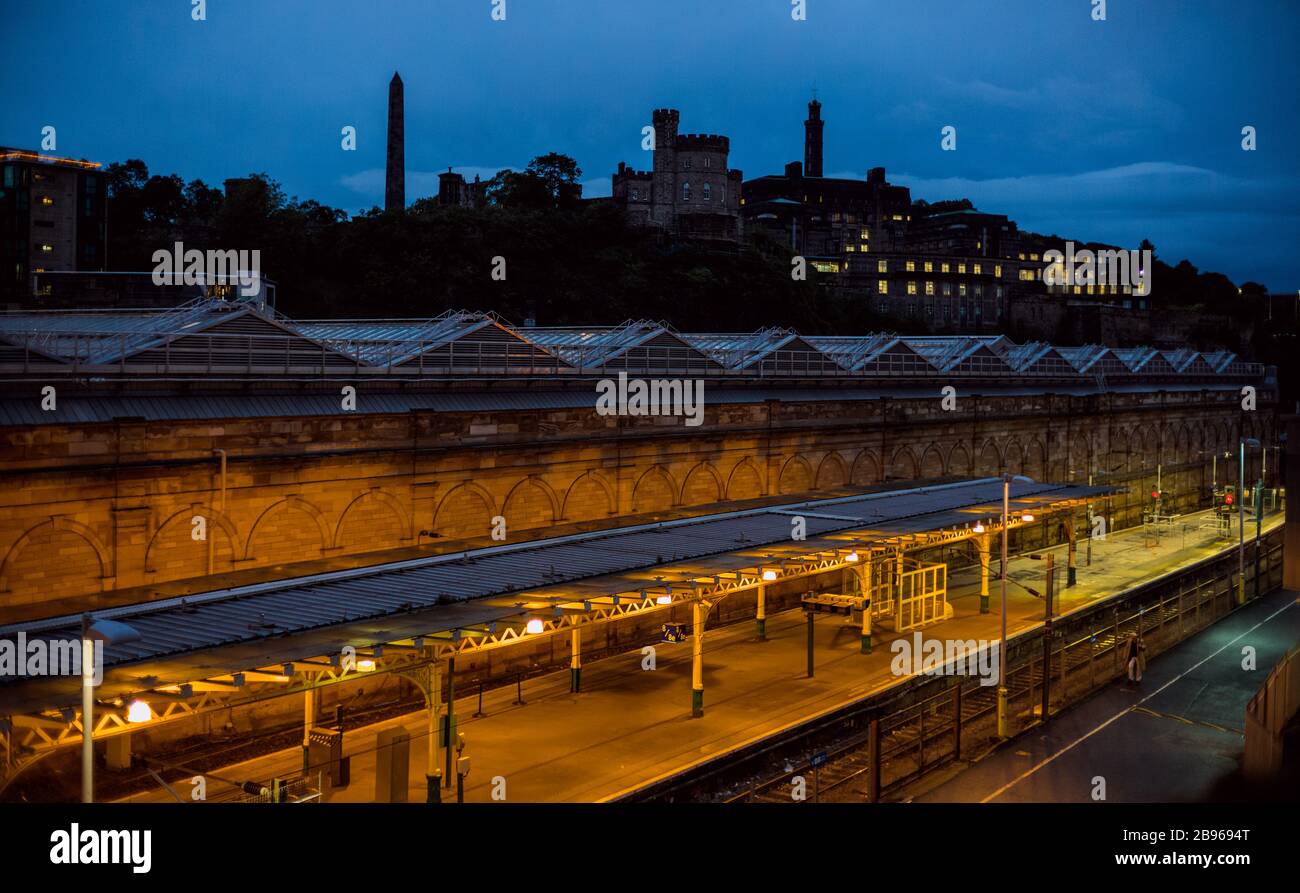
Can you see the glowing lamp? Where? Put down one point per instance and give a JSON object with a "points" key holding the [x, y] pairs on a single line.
{"points": [[366, 665], [534, 626], [138, 712], [1026, 517], [852, 556], [664, 600], [978, 528], [769, 574]]}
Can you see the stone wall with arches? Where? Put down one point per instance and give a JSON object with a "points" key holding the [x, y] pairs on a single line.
{"points": [[75, 525]]}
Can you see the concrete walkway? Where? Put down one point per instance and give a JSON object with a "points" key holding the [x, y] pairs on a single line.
{"points": [[631, 726]]}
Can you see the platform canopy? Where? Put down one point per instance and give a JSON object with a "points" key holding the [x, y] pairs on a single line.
{"points": [[227, 631]]}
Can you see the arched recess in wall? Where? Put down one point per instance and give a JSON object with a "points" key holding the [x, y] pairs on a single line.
{"points": [[1147, 447], [466, 511], [654, 492], [831, 473], [1013, 457], [745, 482], [1080, 459], [904, 467], [588, 498], [702, 486], [174, 554], [796, 476], [54, 559], [529, 504], [931, 462], [959, 460], [373, 521], [866, 469], [1182, 445], [1035, 461], [290, 530], [990, 459]]}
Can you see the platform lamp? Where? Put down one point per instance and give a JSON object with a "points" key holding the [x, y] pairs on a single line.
{"points": [[110, 632], [1241, 520], [1003, 718]]}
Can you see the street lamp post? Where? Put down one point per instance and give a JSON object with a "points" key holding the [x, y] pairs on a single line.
{"points": [[1004, 720], [1002, 647], [1241, 520], [110, 632]]}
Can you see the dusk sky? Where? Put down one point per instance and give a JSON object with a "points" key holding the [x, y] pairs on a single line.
{"points": [[1112, 131]]}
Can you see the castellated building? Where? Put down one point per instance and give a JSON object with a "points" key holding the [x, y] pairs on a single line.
{"points": [[690, 192]]}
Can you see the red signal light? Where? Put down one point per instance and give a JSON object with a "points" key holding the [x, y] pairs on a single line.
{"points": [[1155, 494], [1227, 500]]}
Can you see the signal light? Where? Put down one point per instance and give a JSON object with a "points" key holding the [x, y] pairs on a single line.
{"points": [[1227, 499]]}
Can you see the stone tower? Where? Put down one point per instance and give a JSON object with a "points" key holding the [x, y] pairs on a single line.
{"points": [[812, 141], [395, 172]]}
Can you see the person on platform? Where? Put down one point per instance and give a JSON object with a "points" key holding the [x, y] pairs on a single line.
{"points": [[1135, 658]]}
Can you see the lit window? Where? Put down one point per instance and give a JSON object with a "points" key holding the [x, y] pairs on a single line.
{"points": [[850, 248], [961, 289], [1033, 257], [882, 266], [929, 288], [978, 270], [911, 288], [911, 266], [898, 216], [46, 200], [1022, 255], [997, 270], [961, 268], [944, 268], [866, 234], [929, 266], [866, 247], [882, 287]]}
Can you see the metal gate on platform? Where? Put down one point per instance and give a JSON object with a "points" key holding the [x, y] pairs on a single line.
{"points": [[901, 591]]}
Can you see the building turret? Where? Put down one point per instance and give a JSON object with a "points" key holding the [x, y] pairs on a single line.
{"points": [[812, 141]]}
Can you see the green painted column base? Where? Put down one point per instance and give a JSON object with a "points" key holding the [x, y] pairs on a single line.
{"points": [[984, 604], [697, 702], [1072, 577], [306, 760], [762, 629], [575, 679], [433, 790], [866, 644]]}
